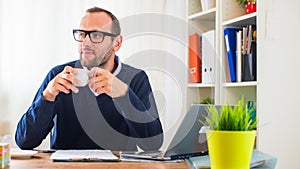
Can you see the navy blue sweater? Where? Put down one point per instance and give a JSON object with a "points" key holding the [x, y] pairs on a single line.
{"points": [[86, 121]]}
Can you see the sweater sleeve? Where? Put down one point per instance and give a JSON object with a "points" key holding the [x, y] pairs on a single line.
{"points": [[139, 109], [37, 122]]}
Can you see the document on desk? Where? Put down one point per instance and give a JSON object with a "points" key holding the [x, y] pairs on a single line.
{"points": [[83, 155]]}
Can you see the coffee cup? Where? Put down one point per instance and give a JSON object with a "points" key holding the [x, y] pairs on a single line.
{"points": [[82, 76]]}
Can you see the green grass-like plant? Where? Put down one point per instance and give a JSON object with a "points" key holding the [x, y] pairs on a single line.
{"points": [[207, 100], [237, 118]]}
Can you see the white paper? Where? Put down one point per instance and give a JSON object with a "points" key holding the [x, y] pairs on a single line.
{"points": [[83, 155]]}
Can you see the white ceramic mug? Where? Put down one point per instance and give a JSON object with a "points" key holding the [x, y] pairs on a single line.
{"points": [[82, 76]]}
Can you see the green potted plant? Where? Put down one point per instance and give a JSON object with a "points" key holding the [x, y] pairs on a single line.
{"points": [[250, 5], [231, 135]]}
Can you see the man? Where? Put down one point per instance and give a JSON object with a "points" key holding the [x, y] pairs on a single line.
{"points": [[115, 111]]}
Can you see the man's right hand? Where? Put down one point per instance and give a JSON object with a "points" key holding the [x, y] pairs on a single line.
{"points": [[62, 82]]}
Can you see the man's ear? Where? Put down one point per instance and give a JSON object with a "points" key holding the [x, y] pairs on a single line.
{"points": [[117, 43]]}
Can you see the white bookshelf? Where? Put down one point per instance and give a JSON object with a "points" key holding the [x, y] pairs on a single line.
{"points": [[200, 85], [206, 15], [242, 20], [240, 84], [227, 13], [203, 21], [233, 15]]}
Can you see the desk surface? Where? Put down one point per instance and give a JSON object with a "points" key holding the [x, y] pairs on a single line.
{"points": [[42, 160]]}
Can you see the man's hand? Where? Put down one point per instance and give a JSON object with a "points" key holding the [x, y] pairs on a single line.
{"points": [[103, 81], [61, 83]]}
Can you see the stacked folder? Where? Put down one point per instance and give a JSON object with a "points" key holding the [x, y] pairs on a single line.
{"points": [[230, 42], [240, 46], [195, 59], [208, 57], [202, 57]]}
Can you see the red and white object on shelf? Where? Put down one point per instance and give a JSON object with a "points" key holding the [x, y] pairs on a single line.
{"points": [[250, 7]]}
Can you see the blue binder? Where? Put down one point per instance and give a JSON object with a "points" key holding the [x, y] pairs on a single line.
{"points": [[230, 43]]}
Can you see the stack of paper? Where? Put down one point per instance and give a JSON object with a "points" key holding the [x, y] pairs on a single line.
{"points": [[83, 155]]}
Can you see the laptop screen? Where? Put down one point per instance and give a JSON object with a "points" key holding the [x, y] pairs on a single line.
{"points": [[187, 140]]}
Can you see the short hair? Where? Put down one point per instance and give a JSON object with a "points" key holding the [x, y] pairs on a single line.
{"points": [[116, 29]]}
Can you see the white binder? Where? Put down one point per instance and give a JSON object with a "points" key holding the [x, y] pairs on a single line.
{"points": [[208, 57], [239, 56]]}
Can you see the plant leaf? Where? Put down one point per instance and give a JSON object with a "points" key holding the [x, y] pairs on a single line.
{"points": [[237, 118]]}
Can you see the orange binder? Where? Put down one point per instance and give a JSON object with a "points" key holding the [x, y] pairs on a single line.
{"points": [[195, 58]]}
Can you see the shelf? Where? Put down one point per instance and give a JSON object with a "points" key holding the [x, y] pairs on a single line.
{"points": [[240, 84], [242, 20], [201, 85], [208, 15], [227, 13]]}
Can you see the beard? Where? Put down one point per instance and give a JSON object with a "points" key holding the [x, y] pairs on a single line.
{"points": [[100, 60]]}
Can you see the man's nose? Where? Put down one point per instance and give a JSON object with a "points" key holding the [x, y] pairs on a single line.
{"points": [[87, 40]]}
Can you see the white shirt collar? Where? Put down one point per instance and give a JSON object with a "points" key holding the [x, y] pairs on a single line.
{"points": [[119, 66]]}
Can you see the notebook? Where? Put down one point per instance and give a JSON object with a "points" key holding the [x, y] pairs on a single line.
{"points": [[186, 143], [83, 155]]}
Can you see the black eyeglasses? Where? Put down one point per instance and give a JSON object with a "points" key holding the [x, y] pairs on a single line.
{"points": [[95, 36]]}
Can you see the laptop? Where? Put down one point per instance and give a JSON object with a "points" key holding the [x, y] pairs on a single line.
{"points": [[186, 143]]}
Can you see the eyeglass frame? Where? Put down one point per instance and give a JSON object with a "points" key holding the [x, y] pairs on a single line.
{"points": [[89, 33]]}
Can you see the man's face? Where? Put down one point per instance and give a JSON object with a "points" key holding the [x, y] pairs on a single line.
{"points": [[96, 54]]}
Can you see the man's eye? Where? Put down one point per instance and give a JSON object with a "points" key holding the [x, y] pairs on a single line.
{"points": [[81, 35], [97, 35]]}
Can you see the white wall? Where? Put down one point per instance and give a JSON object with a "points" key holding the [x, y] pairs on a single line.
{"points": [[279, 83]]}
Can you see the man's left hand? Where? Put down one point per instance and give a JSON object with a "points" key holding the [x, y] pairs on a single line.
{"points": [[103, 81]]}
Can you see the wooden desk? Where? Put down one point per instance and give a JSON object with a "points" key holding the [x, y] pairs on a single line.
{"points": [[42, 160]]}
